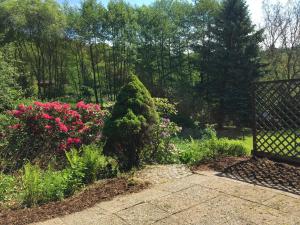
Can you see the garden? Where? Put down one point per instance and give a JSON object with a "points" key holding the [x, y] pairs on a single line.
{"points": [[91, 94], [52, 150]]}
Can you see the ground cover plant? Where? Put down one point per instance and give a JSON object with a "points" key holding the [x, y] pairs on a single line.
{"points": [[32, 185]]}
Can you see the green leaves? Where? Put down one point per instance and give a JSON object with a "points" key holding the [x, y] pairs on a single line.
{"points": [[9, 89], [128, 129]]}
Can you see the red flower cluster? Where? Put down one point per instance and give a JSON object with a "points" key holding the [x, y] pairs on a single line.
{"points": [[58, 125]]}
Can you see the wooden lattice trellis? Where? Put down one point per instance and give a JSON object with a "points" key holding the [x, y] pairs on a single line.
{"points": [[276, 131]]}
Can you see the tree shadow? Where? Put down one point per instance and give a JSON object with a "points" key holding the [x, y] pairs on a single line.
{"points": [[266, 173]]}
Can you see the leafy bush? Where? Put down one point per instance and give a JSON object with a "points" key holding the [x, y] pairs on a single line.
{"points": [[193, 151], [208, 133], [129, 128], [92, 163], [9, 89], [42, 186], [5, 122], [43, 129], [161, 149], [164, 108], [84, 167]]}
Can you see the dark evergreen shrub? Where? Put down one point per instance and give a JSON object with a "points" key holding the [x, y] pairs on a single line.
{"points": [[129, 128]]}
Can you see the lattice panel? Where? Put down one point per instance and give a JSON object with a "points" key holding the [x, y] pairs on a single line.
{"points": [[277, 119]]}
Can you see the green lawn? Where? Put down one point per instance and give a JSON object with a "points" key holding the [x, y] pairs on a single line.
{"points": [[248, 142]]}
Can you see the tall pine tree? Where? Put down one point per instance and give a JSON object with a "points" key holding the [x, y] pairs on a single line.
{"points": [[235, 57]]}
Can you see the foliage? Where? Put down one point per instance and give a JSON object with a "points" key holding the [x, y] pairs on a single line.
{"points": [[177, 48], [92, 163], [40, 186], [164, 108], [84, 167], [209, 147], [7, 187], [9, 88], [281, 39], [208, 133], [161, 149], [46, 129], [128, 129], [233, 64]]}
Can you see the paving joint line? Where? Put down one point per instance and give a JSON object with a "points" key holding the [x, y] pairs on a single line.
{"points": [[248, 200]]}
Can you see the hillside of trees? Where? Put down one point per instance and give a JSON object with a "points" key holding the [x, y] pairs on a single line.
{"points": [[203, 56]]}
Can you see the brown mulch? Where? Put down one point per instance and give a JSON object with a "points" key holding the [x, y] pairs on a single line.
{"points": [[258, 171], [91, 195], [219, 164]]}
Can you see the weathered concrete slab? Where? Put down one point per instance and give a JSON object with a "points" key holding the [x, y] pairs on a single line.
{"points": [[124, 202], [285, 203], [56, 221], [142, 214]]}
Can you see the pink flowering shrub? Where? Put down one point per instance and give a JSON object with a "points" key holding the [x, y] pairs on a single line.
{"points": [[52, 128]]}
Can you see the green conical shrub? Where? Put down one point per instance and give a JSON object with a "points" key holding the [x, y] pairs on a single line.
{"points": [[128, 130]]}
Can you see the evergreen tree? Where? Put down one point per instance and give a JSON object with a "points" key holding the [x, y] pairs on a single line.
{"points": [[235, 57], [128, 129]]}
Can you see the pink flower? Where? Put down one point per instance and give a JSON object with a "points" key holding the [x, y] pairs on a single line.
{"points": [[46, 116], [81, 105], [22, 107], [63, 127], [16, 113], [74, 114], [57, 120], [62, 146], [48, 127], [16, 126], [73, 141], [76, 140], [40, 104]]}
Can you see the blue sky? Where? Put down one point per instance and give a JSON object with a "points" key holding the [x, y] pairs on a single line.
{"points": [[255, 6]]}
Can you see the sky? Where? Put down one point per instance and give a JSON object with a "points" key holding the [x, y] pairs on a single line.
{"points": [[255, 7]]}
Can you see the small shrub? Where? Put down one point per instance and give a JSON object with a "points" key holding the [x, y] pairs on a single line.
{"points": [[209, 133], [42, 186], [128, 130], [164, 108], [226, 147], [54, 185], [46, 129], [161, 150], [194, 151], [92, 164]]}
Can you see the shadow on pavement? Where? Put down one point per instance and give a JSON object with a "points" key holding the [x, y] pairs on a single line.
{"points": [[266, 173]]}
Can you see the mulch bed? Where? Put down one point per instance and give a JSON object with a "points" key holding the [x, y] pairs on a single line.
{"points": [[88, 197], [258, 171], [219, 164]]}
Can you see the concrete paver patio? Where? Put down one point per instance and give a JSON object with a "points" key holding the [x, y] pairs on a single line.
{"points": [[202, 198]]}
